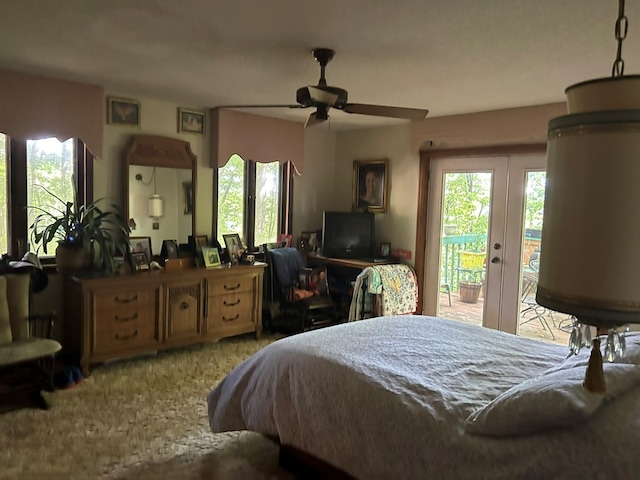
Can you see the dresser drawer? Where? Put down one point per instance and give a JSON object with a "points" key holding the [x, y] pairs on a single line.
{"points": [[230, 309], [231, 284], [126, 300], [124, 321]]}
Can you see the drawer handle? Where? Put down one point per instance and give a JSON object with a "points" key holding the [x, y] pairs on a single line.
{"points": [[225, 319], [126, 337], [231, 304], [127, 300], [126, 319], [184, 305], [231, 288]]}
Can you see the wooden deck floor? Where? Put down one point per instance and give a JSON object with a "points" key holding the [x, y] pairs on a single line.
{"points": [[472, 313]]}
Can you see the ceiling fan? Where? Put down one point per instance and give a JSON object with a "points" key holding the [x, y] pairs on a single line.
{"points": [[323, 97]]}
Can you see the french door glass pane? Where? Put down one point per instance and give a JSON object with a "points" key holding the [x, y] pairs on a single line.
{"points": [[231, 197], [267, 187], [50, 167], [4, 206], [465, 219], [536, 321]]}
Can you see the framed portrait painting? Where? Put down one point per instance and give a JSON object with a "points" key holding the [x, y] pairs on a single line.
{"points": [[190, 121], [370, 185], [122, 111]]}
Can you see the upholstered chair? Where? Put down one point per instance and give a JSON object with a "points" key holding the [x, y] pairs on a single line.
{"points": [[26, 349]]}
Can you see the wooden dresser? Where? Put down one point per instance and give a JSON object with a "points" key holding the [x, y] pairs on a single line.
{"points": [[112, 317]]}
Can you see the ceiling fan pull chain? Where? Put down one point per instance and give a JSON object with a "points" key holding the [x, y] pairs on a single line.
{"points": [[622, 25]]}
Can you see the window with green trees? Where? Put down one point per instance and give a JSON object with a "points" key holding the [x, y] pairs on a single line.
{"points": [[36, 165], [253, 200]]}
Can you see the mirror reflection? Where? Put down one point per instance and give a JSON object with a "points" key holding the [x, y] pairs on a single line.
{"points": [[161, 203]]}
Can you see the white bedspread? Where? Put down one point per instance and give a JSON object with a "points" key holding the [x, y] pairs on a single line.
{"points": [[388, 397]]}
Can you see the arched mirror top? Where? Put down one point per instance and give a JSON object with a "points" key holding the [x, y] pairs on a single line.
{"points": [[155, 151], [164, 167]]}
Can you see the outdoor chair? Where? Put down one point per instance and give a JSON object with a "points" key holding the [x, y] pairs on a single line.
{"points": [[531, 307]]}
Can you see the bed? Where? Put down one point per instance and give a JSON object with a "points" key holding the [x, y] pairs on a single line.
{"points": [[418, 397]]}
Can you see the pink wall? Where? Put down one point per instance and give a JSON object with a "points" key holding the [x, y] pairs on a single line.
{"points": [[512, 126]]}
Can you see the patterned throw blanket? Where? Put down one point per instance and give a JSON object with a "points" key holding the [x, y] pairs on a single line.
{"points": [[396, 288]]}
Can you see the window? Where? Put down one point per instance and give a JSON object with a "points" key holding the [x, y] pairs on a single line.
{"points": [[254, 200], [27, 168]]}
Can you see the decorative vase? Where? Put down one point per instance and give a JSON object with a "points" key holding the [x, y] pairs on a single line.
{"points": [[470, 292], [72, 259]]}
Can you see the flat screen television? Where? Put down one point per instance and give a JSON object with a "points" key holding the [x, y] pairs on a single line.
{"points": [[348, 234]]}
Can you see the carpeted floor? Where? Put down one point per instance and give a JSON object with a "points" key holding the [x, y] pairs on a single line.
{"points": [[139, 418]]}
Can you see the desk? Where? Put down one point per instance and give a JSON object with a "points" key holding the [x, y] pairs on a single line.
{"points": [[341, 273], [347, 262]]}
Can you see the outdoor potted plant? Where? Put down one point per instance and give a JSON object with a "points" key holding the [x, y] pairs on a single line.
{"points": [[86, 236], [472, 269], [470, 289]]}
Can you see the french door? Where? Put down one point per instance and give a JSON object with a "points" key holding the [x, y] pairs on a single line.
{"points": [[483, 232]]}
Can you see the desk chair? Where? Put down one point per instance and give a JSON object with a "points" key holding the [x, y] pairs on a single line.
{"points": [[300, 313]]}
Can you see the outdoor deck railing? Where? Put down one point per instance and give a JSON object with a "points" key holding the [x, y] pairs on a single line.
{"points": [[451, 269]]}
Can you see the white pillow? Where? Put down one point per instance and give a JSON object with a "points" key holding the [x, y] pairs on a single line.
{"points": [[554, 399]]}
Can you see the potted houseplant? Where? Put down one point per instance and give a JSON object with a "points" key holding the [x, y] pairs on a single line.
{"points": [[86, 236]]}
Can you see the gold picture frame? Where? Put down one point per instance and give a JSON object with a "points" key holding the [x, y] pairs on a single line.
{"points": [[370, 185], [123, 111], [190, 121]]}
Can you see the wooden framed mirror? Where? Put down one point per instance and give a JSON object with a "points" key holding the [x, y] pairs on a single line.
{"points": [[165, 167]]}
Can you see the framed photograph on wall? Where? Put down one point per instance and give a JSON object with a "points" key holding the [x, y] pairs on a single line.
{"points": [[210, 256], [141, 245], [122, 111], [370, 185], [190, 121]]}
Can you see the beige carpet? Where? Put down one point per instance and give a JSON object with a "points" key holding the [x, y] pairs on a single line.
{"points": [[139, 418]]}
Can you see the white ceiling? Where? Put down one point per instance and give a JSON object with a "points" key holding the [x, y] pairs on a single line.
{"points": [[451, 57]]}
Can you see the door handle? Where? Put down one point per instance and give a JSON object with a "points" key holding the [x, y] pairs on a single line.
{"points": [[495, 260]]}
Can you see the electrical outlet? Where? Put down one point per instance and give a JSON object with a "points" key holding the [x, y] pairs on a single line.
{"points": [[399, 253]]}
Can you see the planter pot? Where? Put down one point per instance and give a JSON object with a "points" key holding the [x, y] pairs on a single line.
{"points": [[470, 292], [71, 259], [450, 229]]}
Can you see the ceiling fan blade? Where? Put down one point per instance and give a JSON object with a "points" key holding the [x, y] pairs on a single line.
{"points": [[295, 105], [386, 111]]}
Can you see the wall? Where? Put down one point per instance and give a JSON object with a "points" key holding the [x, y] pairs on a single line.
{"points": [[315, 190], [157, 118], [398, 225]]}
